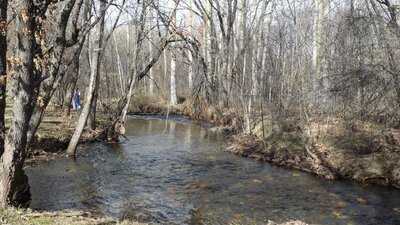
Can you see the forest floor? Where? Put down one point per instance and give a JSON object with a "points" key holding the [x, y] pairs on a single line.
{"points": [[332, 148], [55, 132]]}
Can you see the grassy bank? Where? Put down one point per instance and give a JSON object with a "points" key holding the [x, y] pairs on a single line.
{"points": [[14, 216]]}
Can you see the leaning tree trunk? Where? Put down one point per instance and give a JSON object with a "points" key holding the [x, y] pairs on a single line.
{"points": [[94, 73], [14, 187], [3, 70], [91, 121]]}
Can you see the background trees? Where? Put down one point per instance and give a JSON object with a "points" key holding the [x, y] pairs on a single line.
{"points": [[290, 58]]}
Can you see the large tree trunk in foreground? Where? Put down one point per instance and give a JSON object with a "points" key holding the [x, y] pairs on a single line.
{"points": [[14, 187], [3, 70], [71, 150], [52, 70]]}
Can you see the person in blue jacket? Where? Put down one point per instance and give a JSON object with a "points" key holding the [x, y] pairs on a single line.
{"points": [[76, 102]]}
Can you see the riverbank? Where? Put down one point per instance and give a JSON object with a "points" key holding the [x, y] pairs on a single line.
{"points": [[14, 216], [50, 142], [365, 152], [55, 132], [330, 148]]}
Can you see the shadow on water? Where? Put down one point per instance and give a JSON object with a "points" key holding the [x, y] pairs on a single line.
{"points": [[176, 172]]}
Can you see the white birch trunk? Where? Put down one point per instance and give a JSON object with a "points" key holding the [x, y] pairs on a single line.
{"points": [[174, 99], [119, 65], [191, 71]]}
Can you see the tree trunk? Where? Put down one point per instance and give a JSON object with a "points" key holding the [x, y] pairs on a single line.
{"points": [[151, 75], [191, 71], [119, 65], [138, 77], [165, 66], [55, 77], [14, 187], [320, 86], [94, 73], [3, 70], [174, 99], [49, 87], [91, 122]]}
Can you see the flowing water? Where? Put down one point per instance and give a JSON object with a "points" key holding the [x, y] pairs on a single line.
{"points": [[176, 172]]}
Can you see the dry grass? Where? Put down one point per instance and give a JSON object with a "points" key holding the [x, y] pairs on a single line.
{"points": [[26, 217]]}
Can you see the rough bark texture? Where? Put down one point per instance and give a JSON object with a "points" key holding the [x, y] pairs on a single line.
{"points": [[3, 69], [14, 187], [52, 70]]}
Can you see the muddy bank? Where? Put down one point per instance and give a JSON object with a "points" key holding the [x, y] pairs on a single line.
{"points": [[360, 151]]}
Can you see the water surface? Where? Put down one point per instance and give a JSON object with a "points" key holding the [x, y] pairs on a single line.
{"points": [[176, 172]]}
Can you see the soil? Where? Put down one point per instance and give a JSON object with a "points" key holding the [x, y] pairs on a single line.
{"points": [[369, 154]]}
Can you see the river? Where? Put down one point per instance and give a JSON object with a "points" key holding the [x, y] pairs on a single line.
{"points": [[177, 172]]}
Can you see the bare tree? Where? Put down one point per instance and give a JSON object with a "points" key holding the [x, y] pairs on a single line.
{"points": [[94, 73]]}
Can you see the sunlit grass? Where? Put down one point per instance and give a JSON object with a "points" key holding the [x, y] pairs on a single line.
{"points": [[13, 216]]}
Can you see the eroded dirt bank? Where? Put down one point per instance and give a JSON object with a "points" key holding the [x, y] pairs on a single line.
{"points": [[330, 148]]}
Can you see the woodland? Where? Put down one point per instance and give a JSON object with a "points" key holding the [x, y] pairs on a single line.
{"points": [[312, 85]]}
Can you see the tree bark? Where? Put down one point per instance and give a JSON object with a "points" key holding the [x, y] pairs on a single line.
{"points": [[3, 70], [94, 73], [151, 75], [14, 187], [320, 86], [50, 84], [174, 99]]}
